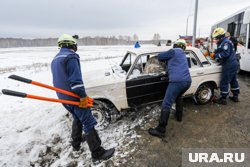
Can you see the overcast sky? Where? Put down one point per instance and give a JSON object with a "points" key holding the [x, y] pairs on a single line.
{"points": [[51, 18]]}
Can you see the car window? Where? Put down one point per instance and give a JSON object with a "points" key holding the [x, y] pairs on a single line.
{"points": [[193, 61], [154, 66], [147, 64], [127, 61]]}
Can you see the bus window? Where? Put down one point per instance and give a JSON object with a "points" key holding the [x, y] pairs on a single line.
{"points": [[231, 28]]}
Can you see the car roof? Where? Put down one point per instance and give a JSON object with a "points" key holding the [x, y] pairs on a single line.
{"points": [[142, 50]]}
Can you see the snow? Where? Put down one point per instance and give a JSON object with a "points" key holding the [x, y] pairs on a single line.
{"points": [[37, 133]]}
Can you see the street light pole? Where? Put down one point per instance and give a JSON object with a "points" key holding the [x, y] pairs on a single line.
{"points": [[187, 24], [199, 32], [195, 22]]}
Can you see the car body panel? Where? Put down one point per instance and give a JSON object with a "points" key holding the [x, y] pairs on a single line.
{"points": [[125, 90], [111, 87], [146, 89]]}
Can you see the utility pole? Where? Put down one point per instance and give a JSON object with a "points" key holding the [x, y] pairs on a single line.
{"points": [[195, 23], [187, 25], [199, 32]]}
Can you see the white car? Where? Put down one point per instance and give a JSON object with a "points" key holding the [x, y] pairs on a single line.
{"points": [[141, 79]]}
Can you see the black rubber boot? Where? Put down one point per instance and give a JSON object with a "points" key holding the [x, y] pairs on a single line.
{"points": [[76, 143], [179, 109], [220, 101], [234, 98], [76, 135], [97, 151], [160, 130]]}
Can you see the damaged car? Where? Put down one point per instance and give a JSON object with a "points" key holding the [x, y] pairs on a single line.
{"points": [[140, 79]]}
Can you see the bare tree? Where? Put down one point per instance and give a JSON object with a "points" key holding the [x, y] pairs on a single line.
{"points": [[156, 37]]}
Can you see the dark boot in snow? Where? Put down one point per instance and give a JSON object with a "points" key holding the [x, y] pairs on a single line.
{"points": [[83, 138], [102, 154], [220, 101], [98, 153], [76, 148], [76, 144], [77, 135], [160, 130], [178, 115], [234, 98], [179, 109]]}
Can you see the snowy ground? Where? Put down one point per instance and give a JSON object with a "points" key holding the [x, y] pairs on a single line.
{"points": [[37, 133]]}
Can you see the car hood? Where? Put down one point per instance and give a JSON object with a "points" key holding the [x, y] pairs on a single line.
{"points": [[102, 77]]}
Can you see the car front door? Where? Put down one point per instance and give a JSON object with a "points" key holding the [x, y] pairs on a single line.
{"points": [[196, 70], [146, 82]]}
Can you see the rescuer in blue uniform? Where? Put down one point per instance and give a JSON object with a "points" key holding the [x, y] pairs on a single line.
{"points": [[179, 83], [66, 71], [225, 54]]}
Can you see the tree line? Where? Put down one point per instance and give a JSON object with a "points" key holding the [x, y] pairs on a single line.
{"points": [[113, 40]]}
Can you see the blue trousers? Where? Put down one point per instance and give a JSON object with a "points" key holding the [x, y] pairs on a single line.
{"points": [[174, 90], [229, 77], [82, 116], [82, 120]]}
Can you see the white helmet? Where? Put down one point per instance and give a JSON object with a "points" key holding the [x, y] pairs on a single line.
{"points": [[67, 40], [180, 43]]}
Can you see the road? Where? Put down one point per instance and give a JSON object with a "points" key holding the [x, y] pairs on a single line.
{"points": [[203, 126]]}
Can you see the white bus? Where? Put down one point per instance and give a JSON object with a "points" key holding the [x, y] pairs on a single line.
{"points": [[238, 26]]}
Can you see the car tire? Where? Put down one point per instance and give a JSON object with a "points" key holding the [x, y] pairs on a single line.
{"points": [[204, 94], [103, 113]]}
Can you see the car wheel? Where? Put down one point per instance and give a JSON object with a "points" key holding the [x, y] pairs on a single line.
{"points": [[204, 94], [103, 113]]}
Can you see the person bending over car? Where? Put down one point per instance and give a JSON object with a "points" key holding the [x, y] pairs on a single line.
{"points": [[179, 83], [66, 71]]}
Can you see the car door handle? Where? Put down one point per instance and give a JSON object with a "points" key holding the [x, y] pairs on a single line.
{"points": [[200, 73], [164, 78]]}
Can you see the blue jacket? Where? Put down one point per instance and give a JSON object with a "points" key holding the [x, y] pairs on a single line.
{"points": [[66, 71], [177, 65], [226, 54]]}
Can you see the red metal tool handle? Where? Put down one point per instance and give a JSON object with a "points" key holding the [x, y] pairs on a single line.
{"points": [[29, 81], [24, 95]]}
